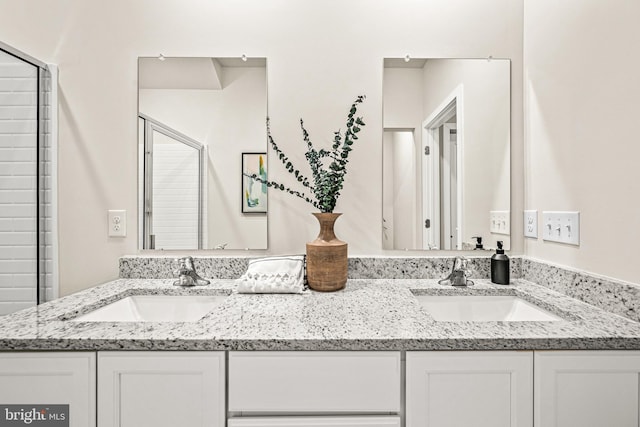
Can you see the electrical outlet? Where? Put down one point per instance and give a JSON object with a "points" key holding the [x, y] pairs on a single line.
{"points": [[531, 224], [562, 227], [117, 223], [499, 222]]}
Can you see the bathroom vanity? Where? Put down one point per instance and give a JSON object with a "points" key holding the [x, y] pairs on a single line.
{"points": [[371, 355]]}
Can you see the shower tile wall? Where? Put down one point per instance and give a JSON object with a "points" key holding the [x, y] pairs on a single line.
{"points": [[18, 143], [48, 275]]}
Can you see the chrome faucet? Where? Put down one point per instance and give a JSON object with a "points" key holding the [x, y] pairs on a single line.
{"points": [[459, 273], [186, 273]]}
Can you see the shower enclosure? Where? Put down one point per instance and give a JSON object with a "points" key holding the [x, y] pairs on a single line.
{"points": [[28, 244]]}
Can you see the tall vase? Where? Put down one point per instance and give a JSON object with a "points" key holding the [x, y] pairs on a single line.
{"points": [[327, 257]]}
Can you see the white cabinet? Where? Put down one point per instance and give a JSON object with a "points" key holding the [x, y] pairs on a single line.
{"points": [[347, 421], [314, 382], [587, 388], [161, 389], [475, 388], [308, 389], [60, 378]]}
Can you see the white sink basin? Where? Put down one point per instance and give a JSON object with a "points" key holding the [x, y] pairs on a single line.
{"points": [[154, 308], [484, 308]]}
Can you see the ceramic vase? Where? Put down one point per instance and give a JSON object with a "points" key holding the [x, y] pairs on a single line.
{"points": [[327, 257]]}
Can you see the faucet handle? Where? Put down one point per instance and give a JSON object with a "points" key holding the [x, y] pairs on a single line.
{"points": [[460, 263]]}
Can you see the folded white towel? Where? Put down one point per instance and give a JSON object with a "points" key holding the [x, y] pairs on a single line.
{"points": [[282, 274]]}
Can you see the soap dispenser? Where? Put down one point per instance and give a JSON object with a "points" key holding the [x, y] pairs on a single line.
{"points": [[478, 243], [500, 266]]}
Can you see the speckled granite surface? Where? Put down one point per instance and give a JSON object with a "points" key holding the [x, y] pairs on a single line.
{"points": [[615, 296], [156, 267], [419, 267], [366, 315], [612, 295], [422, 267]]}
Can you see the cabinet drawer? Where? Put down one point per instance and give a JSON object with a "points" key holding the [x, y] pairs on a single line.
{"points": [[351, 421], [314, 381]]}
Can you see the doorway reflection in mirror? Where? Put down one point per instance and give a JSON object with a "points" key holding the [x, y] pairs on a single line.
{"points": [[446, 152]]}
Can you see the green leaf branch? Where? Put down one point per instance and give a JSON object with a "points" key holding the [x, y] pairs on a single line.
{"points": [[326, 182]]}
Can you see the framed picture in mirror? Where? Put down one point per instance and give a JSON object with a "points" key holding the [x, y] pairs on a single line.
{"points": [[254, 192]]}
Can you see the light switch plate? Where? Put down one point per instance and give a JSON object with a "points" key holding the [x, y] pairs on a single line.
{"points": [[531, 224], [499, 222], [117, 223], [562, 227]]}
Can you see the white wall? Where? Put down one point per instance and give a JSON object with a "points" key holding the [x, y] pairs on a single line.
{"points": [[399, 190], [240, 127], [582, 85], [321, 55], [401, 111]]}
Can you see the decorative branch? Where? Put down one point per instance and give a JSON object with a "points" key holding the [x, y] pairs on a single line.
{"points": [[288, 165], [327, 182]]}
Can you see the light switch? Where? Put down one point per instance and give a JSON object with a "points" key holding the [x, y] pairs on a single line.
{"points": [[499, 222], [117, 223], [562, 227], [531, 224]]}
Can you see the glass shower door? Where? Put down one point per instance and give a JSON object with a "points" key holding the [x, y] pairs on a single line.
{"points": [[19, 201], [172, 188]]}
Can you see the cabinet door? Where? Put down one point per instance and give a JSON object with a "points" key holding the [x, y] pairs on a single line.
{"points": [[65, 378], [350, 421], [587, 388], [161, 389], [460, 389]]}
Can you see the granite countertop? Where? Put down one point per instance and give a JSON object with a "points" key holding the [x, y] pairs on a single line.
{"points": [[368, 314]]}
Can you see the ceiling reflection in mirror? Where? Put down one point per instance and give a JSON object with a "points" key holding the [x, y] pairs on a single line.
{"points": [[201, 121], [446, 154]]}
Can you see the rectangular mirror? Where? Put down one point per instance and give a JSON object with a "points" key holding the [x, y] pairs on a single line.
{"points": [[202, 121], [446, 153]]}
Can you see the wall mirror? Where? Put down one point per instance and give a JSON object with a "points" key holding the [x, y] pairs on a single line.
{"points": [[446, 153], [201, 123]]}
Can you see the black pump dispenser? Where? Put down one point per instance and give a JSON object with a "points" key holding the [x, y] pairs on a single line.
{"points": [[478, 242], [500, 266]]}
